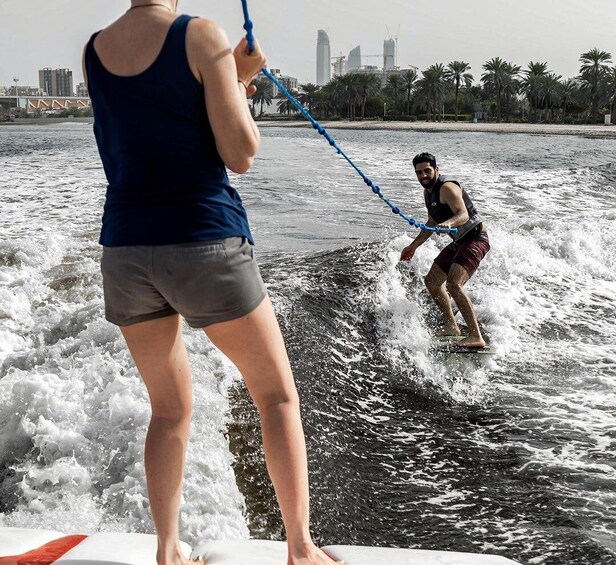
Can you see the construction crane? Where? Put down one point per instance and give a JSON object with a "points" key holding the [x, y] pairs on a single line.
{"points": [[338, 64]]}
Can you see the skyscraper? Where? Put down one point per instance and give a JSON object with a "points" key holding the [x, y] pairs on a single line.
{"points": [[324, 71], [354, 60], [389, 54], [56, 82]]}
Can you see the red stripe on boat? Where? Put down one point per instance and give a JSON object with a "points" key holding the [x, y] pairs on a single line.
{"points": [[45, 554]]}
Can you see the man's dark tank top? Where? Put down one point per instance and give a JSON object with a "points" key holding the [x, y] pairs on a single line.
{"points": [[167, 182], [442, 212]]}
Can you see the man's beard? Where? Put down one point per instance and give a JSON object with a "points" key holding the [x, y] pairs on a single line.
{"points": [[430, 184]]}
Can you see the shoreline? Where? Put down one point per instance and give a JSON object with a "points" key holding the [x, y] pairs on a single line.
{"points": [[594, 131], [47, 121]]}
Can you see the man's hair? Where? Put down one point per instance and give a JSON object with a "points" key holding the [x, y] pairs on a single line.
{"points": [[425, 158]]}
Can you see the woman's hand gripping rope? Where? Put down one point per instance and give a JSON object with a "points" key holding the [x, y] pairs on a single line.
{"points": [[249, 64]]}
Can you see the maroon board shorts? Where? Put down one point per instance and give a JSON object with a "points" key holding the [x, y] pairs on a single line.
{"points": [[468, 253]]}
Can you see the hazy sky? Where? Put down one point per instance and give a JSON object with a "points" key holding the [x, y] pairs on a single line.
{"points": [[51, 33]]}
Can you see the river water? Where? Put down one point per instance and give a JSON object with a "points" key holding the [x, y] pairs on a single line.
{"points": [[513, 454]]}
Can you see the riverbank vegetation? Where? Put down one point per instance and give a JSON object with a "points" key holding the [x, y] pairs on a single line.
{"points": [[503, 92]]}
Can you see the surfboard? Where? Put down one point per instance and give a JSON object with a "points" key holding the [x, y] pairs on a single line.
{"points": [[444, 348], [443, 344]]}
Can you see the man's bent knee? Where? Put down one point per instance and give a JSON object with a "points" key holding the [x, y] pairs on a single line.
{"points": [[454, 288]]}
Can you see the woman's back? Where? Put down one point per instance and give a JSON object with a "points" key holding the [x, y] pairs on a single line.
{"points": [[131, 44], [167, 182]]}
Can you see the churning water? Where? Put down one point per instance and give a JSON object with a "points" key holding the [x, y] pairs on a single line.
{"points": [[513, 454]]}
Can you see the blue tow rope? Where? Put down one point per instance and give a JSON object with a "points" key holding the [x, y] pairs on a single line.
{"points": [[248, 25]]}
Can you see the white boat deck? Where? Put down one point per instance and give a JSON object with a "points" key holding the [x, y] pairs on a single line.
{"points": [[107, 548]]}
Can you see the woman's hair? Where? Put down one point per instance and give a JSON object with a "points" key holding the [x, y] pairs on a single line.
{"points": [[425, 158]]}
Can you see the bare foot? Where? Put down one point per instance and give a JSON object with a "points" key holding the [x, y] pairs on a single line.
{"points": [[469, 342], [179, 560], [447, 331], [185, 561], [310, 554]]}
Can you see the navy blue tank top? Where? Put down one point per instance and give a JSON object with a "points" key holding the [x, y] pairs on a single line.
{"points": [[167, 182]]}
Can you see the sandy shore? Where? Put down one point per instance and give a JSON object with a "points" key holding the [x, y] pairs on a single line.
{"points": [[537, 129]]}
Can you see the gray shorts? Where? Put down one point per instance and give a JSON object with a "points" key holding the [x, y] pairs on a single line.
{"points": [[205, 282]]}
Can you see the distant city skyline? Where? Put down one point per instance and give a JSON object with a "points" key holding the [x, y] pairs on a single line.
{"points": [[323, 58], [39, 34]]}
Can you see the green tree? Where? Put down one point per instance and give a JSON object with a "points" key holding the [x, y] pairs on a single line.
{"points": [[456, 73], [308, 95], [568, 89], [367, 85], [531, 86], [432, 87], [511, 85], [394, 87], [475, 96], [611, 84], [594, 67], [285, 106], [324, 105], [493, 78], [345, 90], [409, 78], [263, 95], [550, 93]]}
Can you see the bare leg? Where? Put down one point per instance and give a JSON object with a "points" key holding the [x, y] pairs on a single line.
{"points": [[435, 279], [158, 350], [456, 280], [255, 345]]}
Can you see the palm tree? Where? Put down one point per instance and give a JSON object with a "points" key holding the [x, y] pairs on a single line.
{"points": [[408, 80], [476, 95], [368, 85], [567, 88], [493, 77], [531, 85], [511, 85], [323, 104], [594, 66], [550, 93], [308, 94], [263, 95], [345, 90], [611, 84], [432, 87], [285, 106], [456, 73], [394, 87]]}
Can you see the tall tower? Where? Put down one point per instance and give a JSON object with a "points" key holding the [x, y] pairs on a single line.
{"points": [[324, 72], [389, 54], [354, 60], [56, 82]]}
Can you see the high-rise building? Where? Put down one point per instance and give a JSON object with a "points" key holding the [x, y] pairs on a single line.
{"points": [[389, 54], [290, 83], [82, 90], [56, 82], [354, 60], [324, 72]]}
